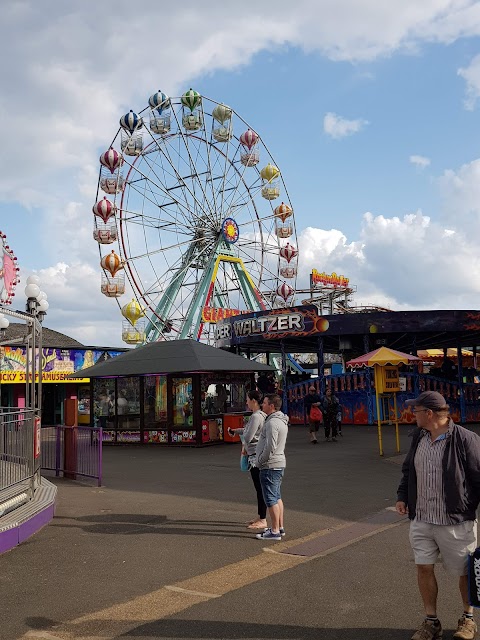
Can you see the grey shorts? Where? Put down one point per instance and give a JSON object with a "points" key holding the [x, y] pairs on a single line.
{"points": [[452, 542]]}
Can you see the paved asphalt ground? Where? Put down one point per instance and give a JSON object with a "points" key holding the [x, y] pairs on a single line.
{"points": [[161, 551]]}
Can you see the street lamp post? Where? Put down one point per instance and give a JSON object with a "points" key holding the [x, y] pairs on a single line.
{"points": [[37, 307]]}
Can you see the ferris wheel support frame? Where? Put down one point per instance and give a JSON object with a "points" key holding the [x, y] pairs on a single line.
{"points": [[206, 290], [163, 308]]}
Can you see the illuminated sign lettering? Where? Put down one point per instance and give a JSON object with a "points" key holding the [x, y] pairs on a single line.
{"points": [[214, 314], [278, 323], [328, 280]]}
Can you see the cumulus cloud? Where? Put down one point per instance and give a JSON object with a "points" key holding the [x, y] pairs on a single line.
{"points": [[399, 263], [460, 191], [337, 127], [471, 75], [419, 161], [70, 71], [77, 307]]}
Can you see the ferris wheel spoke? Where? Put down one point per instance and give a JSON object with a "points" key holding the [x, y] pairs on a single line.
{"points": [[188, 242], [135, 217], [185, 139], [185, 208], [215, 206], [183, 186], [182, 263], [134, 185], [239, 173]]}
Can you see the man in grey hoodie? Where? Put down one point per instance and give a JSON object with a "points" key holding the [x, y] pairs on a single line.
{"points": [[271, 462]]}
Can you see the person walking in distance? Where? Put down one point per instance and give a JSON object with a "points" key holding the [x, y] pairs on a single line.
{"points": [[312, 399], [330, 407], [440, 491], [250, 434], [271, 462]]}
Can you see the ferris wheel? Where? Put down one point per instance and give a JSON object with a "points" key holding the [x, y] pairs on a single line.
{"points": [[201, 219]]}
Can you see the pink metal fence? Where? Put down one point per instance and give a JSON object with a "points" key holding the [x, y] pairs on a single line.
{"points": [[72, 451]]}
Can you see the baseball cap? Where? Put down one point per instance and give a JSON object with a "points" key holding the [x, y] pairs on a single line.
{"points": [[430, 400]]}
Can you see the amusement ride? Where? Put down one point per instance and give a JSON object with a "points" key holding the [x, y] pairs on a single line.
{"points": [[199, 216]]}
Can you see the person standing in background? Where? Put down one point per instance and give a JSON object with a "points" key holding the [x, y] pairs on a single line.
{"points": [[250, 435], [312, 399], [330, 407], [271, 462]]}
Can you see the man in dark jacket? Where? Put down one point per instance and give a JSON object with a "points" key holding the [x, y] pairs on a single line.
{"points": [[330, 407], [440, 491]]}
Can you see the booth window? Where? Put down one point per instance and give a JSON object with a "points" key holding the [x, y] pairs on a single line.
{"points": [[182, 402], [103, 403], [224, 393], [128, 403], [155, 401]]}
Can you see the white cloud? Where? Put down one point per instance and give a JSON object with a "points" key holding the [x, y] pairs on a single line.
{"points": [[337, 127], [420, 161], [69, 71], [460, 191], [399, 263], [77, 307], [471, 75]]}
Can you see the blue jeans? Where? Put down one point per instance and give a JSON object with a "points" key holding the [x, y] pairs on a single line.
{"points": [[271, 480]]}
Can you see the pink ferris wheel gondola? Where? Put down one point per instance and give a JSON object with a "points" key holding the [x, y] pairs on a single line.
{"points": [[111, 160], [288, 252], [249, 139], [104, 209], [285, 291]]}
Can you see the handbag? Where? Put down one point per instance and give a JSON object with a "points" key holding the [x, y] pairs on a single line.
{"points": [[315, 414], [474, 578], [244, 466]]}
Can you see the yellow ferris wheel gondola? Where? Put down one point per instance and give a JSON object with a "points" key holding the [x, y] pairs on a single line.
{"points": [[132, 311], [270, 175], [133, 331]]}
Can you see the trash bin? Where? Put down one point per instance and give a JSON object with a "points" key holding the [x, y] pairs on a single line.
{"points": [[232, 421]]}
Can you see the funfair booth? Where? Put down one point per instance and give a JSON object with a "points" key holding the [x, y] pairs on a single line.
{"points": [[301, 329], [179, 392]]}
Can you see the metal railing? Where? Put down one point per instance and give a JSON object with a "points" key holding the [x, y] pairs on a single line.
{"points": [[17, 462], [72, 451]]}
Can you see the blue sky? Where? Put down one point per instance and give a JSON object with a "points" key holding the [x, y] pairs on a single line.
{"points": [[383, 204]]}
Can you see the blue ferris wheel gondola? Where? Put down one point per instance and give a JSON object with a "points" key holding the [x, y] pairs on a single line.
{"points": [[159, 101], [131, 122]]}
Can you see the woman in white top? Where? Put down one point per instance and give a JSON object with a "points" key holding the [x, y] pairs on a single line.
{"points": [[250, 434]]}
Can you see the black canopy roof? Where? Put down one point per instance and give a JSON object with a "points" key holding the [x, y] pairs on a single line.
{"points": [[172, 356]]}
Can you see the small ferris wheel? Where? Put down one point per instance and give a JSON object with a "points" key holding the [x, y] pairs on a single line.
{"points": [[200, 216], [9, 272]]}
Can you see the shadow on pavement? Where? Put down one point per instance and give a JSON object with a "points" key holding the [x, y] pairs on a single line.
{"points": [[177, 629], [134, 524]]}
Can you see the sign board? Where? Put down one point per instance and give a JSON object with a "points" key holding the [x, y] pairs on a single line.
{"points": [[214, 314], [14, 377], [57, 364], [387, 379], [328, 280]]}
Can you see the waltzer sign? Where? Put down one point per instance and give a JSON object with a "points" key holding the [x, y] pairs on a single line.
{"points": [[277, 323]]}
